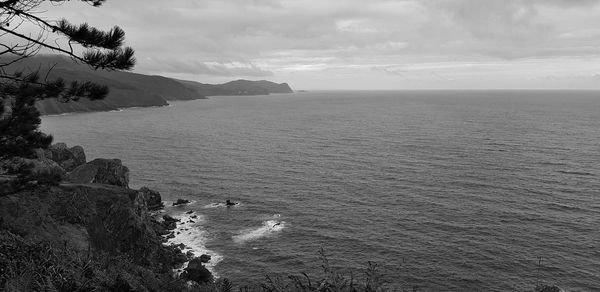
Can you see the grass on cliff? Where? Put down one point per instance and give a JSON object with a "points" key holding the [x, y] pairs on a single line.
{"points": [[27, 265], [330, 280]]}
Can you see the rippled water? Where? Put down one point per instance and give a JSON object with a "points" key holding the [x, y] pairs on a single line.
{"points": [[450, 191]]}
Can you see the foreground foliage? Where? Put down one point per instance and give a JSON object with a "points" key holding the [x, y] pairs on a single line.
{"points": [[27, 265], [19, 90]]}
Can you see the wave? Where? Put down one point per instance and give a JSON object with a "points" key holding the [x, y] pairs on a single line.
{"points": [[125, 108], [220, 205], [169, 204], [575, 172], [59, 115], [267, 228], [190, 233]]}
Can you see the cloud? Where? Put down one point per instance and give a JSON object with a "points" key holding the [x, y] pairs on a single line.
{"points": [[277, 37], [192, 67]]}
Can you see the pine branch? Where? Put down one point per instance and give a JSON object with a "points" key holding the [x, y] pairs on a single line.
{"points": [[90, 36], [55, 48], [118, 59]]}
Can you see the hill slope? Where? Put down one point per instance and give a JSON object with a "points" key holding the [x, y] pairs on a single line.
{"points": [[129, 89], [239, 87]]}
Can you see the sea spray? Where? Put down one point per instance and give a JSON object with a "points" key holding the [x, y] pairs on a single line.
{"points": [[192, 235], [221, 205], [268, 228]]}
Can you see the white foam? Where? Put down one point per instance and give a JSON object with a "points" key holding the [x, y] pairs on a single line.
{"points": [[214, 205], [169, 204], [194, 237], [220, 205], [268, 228]]}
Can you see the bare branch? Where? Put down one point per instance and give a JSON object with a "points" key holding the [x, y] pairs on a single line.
{"points": [[38, 42]]}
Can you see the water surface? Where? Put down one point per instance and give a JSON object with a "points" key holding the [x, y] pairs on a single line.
{"points": [[447, 190]]}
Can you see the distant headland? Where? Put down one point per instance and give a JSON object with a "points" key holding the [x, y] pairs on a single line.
{"points": [[133, 89]]}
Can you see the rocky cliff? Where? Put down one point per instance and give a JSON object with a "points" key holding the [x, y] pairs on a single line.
{"points": [[87, 232]]}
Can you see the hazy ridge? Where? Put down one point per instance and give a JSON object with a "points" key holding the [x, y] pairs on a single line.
{"points": [[129, 89]]}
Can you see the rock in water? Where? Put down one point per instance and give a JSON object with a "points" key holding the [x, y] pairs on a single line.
{"points": [[195, 271], [547, 288], [169, 222], [205, 258], [169, 219], [180, 202]]}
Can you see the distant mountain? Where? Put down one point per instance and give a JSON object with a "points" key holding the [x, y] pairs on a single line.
{"points": [[132, 89], [239, 87]]}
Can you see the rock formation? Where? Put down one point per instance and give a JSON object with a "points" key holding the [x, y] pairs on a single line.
{"points": [[103, 171], [180, 202], [153, 198], [67, 158], [94, 215], [102, 217], [195, 270]]}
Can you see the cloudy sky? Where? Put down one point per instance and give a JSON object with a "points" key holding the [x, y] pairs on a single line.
{"points": [[360, 44]]}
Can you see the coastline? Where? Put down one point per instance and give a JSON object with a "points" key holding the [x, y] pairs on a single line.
{"points": [[90, 231], [118, 110], [189, 235]]}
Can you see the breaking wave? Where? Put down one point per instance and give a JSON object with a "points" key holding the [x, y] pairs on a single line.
{"points": [[268, 228]]}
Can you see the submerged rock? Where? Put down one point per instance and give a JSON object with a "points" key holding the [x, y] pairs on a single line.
{"points": [[548, 288]]}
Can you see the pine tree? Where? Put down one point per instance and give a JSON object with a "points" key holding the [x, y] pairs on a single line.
{"points": [[19, 119]]}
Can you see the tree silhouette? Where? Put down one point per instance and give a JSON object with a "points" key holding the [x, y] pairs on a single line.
{"points": [[19, 119]]}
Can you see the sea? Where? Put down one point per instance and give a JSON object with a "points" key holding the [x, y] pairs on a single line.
{"points": [[441, 190]]}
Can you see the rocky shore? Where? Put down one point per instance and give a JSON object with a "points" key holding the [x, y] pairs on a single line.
{"points": [[77, 226], [80, 227]]}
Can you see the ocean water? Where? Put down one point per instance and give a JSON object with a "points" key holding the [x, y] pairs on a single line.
{"points": [[445, 190]]}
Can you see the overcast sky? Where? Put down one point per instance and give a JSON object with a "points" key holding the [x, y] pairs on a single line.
{"points": [[360, 44]]}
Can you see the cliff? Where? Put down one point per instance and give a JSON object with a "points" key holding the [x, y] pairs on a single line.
{"points": [[129, 89], [93, 236], [89, 232]]}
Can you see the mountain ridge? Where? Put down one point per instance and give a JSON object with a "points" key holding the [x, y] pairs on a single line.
{"points": [[129, 89]]}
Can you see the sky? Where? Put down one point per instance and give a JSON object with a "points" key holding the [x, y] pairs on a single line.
{"points": [[360, 44]]}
